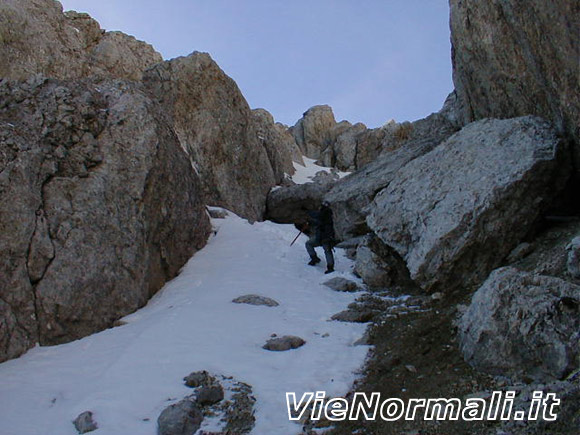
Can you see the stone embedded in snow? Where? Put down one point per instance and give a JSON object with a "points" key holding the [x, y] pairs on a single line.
{"points": [[210, 394], [196, 379], [342, 285], [521, 323], [84, 422], [280, 344], [181, 418], [256, 300], [355, 316], [455, 213]]}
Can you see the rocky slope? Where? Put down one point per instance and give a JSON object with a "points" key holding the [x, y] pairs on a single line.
{"points": [[508, 259]]}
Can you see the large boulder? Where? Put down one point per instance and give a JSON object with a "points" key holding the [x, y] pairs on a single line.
{"points": [[521, 324], [513, 58], [37, 37], [216, 127], [456, 212], [378, 154], [290, 204], [350, 197], [98, 204]]}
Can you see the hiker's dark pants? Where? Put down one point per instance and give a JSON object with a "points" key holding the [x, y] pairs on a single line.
{"points": [[313, 242]]}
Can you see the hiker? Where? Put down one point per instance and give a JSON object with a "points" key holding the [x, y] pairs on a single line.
{"points": [[320, 230]]}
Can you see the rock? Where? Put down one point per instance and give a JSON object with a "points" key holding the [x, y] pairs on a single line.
{"points": [[550, 253], [239, 412], [215, 125], [379, 266], [351, 195], [521, 324], [99, 208], [256, 300], [355, 316], [342, 285], [210, 395], [365, 340], [456, 212], [573, 263], [217, 213], [437, 296], [286, 342], [84, 422], [513, 59], [36, 37], [325, 177], [313, 131], [291, 204], [280, 146], [345, 148], [200, 378], [328, 154], [181, 418], [519, 252]]}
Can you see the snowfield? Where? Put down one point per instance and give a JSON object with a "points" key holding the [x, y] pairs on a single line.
{"points": [[127, 375]]}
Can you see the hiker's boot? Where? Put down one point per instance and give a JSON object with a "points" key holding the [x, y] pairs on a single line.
{"points": [[329, 270], [314, 261]]}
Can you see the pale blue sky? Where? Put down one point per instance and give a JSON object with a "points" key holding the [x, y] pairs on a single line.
{"points": [[371, 60]]}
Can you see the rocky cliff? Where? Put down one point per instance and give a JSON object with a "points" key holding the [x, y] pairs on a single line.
{"points": [[36, 37], [515, 58], [99, 207], [220, 133]]}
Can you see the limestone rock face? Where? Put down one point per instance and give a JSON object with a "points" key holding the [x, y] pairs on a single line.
{"points": [[215, 125], [345, 147], [36, 37], [280, 146], [313, 132], [453, 214], [515, 58], [521, 323], [350, 197], [98, 204]]}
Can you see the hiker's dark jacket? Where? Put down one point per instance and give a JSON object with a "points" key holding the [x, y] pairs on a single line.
{"points": [[322, 224]]}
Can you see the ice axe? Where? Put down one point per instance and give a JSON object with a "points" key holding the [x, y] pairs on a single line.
{"points": [[295, 238]]}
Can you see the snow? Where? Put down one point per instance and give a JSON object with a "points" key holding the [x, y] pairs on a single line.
{"points": [[127, 375], [305, 174]]}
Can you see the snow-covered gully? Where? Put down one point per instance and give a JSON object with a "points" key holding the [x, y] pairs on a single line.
{"points": [[127, 375]]}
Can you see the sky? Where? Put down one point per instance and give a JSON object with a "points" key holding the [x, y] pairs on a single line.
{"points": [[371, 60]]}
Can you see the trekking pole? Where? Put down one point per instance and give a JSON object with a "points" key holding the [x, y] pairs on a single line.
{"points": [[295, 238]]}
